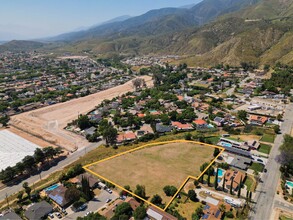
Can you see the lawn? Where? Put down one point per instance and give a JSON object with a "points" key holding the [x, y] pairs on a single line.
{"points": [[257, 167], [265, 148], [155, 166], [249, 183], [213, 139], [270, 138], [282, 217]]}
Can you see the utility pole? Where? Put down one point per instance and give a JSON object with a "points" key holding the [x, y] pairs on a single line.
{"points": [[7, 201]]}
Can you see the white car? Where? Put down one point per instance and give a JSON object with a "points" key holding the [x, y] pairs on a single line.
{"points": [[86, 214], [208, 192], [109, 190]]}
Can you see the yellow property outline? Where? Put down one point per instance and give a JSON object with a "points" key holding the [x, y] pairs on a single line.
{"points": [[147, 145]]}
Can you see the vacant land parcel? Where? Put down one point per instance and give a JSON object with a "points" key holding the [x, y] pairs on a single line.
{"points": [[155, 166]]}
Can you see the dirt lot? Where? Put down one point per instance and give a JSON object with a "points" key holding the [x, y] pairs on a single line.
{"points": [[48, 123], [156, 166]]}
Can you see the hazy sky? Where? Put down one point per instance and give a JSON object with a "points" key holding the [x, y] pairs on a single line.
{"points": [[27, 19]]}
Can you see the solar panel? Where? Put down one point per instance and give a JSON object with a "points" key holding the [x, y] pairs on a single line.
{"points": [[205, 216], [217, 213]]}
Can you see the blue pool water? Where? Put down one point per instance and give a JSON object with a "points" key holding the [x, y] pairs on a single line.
{"points": [[225, 144], [289, 183], [51, 187], [210, 126], [220, 173]]}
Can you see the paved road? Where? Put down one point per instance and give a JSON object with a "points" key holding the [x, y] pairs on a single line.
{"points": [[266, 191], [94, 205], [286, 206], [70, 159]]}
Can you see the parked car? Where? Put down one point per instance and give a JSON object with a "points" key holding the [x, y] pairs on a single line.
{"points": [[109, 190], [64, 212], [82, 207], [108, 200], [260, 160], [86, 214], [51, 215], [58, 215]]}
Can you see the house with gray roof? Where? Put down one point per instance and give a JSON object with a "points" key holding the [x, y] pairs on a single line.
{"points": [[38, 210]]}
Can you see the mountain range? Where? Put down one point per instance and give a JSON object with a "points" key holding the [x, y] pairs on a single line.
{"points": [[210, 32]]}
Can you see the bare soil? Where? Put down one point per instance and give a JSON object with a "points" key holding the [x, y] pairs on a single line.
{"points": [[48, 123]]}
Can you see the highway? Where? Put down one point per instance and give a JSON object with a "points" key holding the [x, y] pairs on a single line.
{"points": [[33, 179], [265, 197]]}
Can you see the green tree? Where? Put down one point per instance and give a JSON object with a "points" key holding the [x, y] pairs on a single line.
{"points": [[139, 213], [27, 189], [239, 188], [198, 213], [224, 181], [277, 129], [222, 209], [29, 162], [192, 195], [72, 194], [209, 179], [86, 189], [216, 180], [83, 122], [216, 152], [157, 200], [187, 136], [242, 114], [110, 135], [92, 216], [39, 155], [122, 210], [170, 190], [231, 187], [196, 183], [286, 156], [140, 191], [19, 196]]}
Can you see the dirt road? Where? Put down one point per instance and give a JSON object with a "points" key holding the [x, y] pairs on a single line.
{"points": [[47, 123]]}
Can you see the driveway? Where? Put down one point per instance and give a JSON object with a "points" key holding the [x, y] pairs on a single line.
{"points": [[94, 205]]}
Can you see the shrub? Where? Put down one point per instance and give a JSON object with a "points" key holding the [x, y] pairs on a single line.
{"points": [[229, 214]]}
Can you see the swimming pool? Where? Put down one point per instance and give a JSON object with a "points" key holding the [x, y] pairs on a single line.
{"points": [[221, 173], [210, 126], [225, 144], [52, 187], [289, 184]]}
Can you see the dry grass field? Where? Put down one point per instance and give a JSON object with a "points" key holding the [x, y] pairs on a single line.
{"points": [[155, 166]]}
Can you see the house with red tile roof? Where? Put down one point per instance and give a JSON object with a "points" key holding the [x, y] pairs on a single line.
{"points": [[233, 179], [212, 212], [182, 127], [200, 123], [257, 119], [125, 137]]}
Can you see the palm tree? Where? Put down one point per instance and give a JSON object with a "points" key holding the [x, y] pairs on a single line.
{"points": [[222, 208]]}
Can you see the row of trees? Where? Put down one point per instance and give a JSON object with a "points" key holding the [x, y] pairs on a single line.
{"points": [[29, 164]]}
